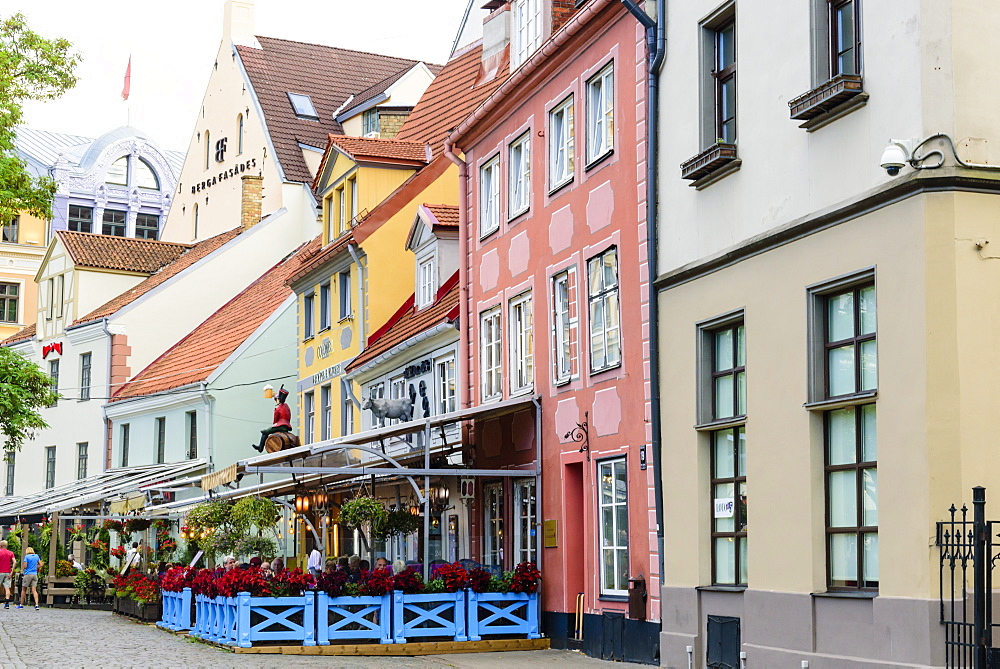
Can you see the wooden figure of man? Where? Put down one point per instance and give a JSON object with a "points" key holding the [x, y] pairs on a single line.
{"points": [[282, 419]]}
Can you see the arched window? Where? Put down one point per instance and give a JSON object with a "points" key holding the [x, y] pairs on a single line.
{"points": [[239, 128], [208, 150], [144, 176], [195, 234], [118, 172]]}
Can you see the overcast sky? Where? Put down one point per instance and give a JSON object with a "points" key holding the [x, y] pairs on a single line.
{"points": [[173, 45]]}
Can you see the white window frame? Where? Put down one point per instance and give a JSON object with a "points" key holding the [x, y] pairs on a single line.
{"points": [[447, 389], [527, 33], [326, 408], [353, 192], [86, 375], [522, 345], [324, 306], [161, 439], [599, 298], [344, 294], [601, 114], [426, 282], [519, 176], [346, 413], [491, 354], [489, 196], [308, 315], [309, 402], [562, 328], [609, 511], [341, 211], [493, 524], [525, 518], [561, 144]]}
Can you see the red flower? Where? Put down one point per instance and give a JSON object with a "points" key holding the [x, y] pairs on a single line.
{"points": [[332, 583], [479, 580], [454, 576], [204, 583], [118, 552], [525, 579], [409, 581], [291, 583], [236, 581], [377, 583]]}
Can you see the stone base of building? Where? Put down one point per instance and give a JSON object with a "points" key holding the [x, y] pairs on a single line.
{"points": [[776, 629], [608, 636]]}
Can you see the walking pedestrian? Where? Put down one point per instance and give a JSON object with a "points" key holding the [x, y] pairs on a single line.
{"points": [[315, 563], [6, 572], [29, 568]]}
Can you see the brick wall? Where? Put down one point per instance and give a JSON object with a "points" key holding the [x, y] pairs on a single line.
{"points": [[251, 202], [390, 123], [562, 10]]}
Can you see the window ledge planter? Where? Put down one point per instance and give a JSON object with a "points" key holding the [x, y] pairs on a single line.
{"points": [[826, 97], [709, 163]]}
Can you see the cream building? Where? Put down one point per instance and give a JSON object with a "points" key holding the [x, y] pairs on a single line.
{"points": [[827, 328], [268, 109]]}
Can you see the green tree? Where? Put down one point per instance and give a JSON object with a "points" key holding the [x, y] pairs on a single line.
{"points": [[31, 68], [24, 388]]}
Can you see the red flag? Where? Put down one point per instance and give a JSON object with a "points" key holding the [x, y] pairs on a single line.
{"points": [[128, 79]]}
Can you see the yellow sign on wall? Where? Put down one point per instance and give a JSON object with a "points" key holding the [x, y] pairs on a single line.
{"points": [[551, 530]]}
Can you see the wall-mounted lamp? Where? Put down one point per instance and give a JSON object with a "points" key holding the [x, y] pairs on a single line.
{"points": [[899, 153]]}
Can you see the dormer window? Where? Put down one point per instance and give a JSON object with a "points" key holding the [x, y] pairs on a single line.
{"points": [[426, 283], [303, 106], [145, 177], [527, 31], [118, 172], [369, 123]]}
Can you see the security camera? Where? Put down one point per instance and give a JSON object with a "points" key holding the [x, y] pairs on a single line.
{"points": [[895, 156]]}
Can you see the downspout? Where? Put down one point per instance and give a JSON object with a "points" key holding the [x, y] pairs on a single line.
{"points": [[210, 414], [656, 49], [463, 278]]}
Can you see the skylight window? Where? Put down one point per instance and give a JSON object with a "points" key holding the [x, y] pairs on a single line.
{"points": [[303, 106]]}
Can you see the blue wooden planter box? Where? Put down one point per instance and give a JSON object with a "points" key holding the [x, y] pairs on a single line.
{"points": [[176, 610], [203, 613], [272, 619], [503, 613], [428, 615], [352, 618]]}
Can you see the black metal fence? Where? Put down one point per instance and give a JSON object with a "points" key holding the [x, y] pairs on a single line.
{"points": [[968, 553]]}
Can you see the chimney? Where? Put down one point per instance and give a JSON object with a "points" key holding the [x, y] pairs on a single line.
{"points": [[496, 34], [251, 201], [237, 23]]}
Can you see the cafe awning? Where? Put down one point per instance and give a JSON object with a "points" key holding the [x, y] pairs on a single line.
{"points": [[125, 487]]}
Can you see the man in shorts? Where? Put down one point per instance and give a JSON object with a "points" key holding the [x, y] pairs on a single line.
{"points": [[6, 572], [29, 568]]}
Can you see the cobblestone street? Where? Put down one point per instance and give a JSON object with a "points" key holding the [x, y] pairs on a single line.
{"points": [[73, 638]]}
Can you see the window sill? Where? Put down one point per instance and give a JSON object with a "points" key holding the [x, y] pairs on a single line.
{"points": [[613, 598], [322, 330], [721, 424], [708, 164], [738, 589], [491, 399], [344, 319], [559, 186], [485, 235], [602, 370], [521, 214], [841, 402], [308, 339], [847, 594], [826, 97], [559, 383], [598, 160], [527, 390]]}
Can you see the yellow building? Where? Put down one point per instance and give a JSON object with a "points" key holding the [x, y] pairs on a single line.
{"points": [[22, 246], [337, 308]]}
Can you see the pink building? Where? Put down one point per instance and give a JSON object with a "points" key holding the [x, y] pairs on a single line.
{"points": [[554, 307]]}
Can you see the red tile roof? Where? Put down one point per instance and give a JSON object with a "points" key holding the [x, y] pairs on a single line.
{"points": [[200, 353], [124, 254], [381, 87], [197, 252], [328, 75], [410, 323], [311, 261], [369, 148], [25, 333], [461, 86], [446, 215]]}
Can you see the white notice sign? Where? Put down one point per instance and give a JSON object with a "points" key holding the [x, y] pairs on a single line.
{"points": [[724, 507]]}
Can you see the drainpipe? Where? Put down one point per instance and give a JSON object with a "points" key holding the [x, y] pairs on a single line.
{"points": [[463, 278], [656, 49], [209, 403], [108, 425]]}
